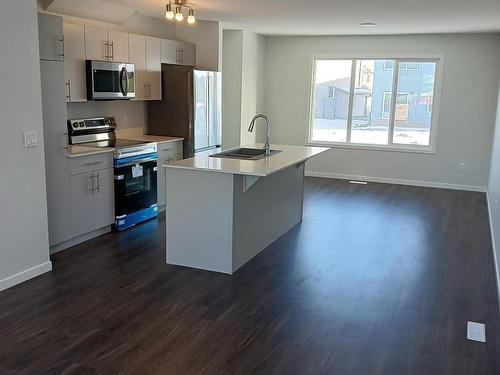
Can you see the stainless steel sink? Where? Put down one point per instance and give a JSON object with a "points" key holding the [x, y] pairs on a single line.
{"points": [[244, 154]]}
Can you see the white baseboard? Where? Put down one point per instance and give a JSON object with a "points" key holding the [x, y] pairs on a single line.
{"points": [[397, 181], [495, 259], [25, 275]]}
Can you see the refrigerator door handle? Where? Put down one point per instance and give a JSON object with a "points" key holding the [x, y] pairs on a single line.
{"points": [[207, 111]]}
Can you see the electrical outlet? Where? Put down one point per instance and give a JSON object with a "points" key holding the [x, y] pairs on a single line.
{"points": [[30, 139], [461, 167]]}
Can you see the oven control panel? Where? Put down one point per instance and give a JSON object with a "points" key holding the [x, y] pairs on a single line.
{"points": [[92, 123]]}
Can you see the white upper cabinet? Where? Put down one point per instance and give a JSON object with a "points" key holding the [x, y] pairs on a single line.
{"points": [[145, 53], [106, 45], [153, 67], [137, 48], [74, 62], [178, 53], [51, 39], [188, 54], [96, 43], [169, 51], [118, 45]]}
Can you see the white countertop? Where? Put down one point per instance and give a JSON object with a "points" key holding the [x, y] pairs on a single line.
{"points": [[154, 138], [289, 155], [75, 151]]}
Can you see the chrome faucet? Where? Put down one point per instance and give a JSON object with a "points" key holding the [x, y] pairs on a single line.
{"points": [[267, 145]]}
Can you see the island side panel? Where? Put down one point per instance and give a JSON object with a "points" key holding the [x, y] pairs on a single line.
{"points": [[199, 219], [267, 210]]}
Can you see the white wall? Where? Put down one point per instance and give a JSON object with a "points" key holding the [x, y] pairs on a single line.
{"points": [[24, 244], [243, 76], [467, 111], [494, 194], [252, 84], [232, 54]]}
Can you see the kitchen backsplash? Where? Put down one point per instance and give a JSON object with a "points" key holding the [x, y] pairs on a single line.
{"points": [[131, 116]]}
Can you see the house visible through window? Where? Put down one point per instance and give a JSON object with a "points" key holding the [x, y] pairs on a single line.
{"points": [[369, 102], [389, 64]]}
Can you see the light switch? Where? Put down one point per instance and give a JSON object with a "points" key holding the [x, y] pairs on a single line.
{"points": [[30, 139]]}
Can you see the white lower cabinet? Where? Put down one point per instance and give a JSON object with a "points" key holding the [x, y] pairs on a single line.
{"points": [[91, 193], [82, 203], [58, 198], [92, 200], [104, 198], [167, 153]]}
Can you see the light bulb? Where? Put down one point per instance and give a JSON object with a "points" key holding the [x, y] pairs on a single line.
{"points": [[191, 19], [178, 14], [169, 15]]}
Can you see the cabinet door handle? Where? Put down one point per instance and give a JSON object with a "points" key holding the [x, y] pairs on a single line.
{"points": [[112, 49], [98, 182], [93, 163], [106, 50], [68, 85], [92, 189], [64, 143], [62, 46]]}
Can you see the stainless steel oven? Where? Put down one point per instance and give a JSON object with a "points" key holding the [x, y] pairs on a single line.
{"points": [[110, 80]]}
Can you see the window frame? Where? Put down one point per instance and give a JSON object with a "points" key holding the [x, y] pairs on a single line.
{"points": [[417, 58]]}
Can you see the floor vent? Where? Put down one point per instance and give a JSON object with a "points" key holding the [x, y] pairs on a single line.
{"points": [[358, 182], [476, 331]]}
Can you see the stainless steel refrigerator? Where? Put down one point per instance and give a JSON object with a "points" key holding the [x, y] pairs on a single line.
{"points": [[190, 108]]}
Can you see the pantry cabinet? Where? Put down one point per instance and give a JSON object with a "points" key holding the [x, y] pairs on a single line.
{"points": [[74, 62], [50, 37]]}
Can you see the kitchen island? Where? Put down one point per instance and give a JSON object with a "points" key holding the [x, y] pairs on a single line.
{"points": [[221, 212]]}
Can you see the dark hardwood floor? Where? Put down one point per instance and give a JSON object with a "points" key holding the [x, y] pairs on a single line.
{"points": [[378, 279]]}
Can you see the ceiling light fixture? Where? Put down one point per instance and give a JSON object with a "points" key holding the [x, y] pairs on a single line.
{"points": [[179, 15], [368, 24], [169, 14]]}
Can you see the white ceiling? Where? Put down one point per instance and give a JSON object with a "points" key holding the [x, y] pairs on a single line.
{"points": [[328, 17]]}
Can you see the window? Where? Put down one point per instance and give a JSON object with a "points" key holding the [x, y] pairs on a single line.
{"points": [[368, 102], [389, 65]]}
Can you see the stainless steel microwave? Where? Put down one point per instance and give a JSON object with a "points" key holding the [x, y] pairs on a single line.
{"points": [[110, 80]]}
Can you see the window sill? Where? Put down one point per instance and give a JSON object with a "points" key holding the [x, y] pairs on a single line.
{"points": [[368, 147]]}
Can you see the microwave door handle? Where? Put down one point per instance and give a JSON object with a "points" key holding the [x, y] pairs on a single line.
{"points": [[124, 80]]}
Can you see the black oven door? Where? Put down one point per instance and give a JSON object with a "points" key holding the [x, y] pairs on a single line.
{"points": [[135, 186]]}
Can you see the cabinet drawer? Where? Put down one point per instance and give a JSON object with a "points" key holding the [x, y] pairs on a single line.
{"points": [[90, 163], [170, 147]]}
